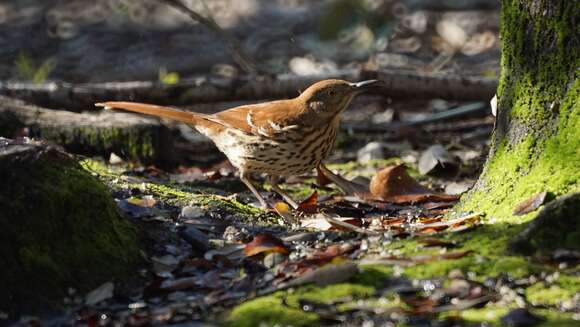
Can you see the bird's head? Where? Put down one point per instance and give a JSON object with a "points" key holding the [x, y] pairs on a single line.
{"points": [[330, 97]]}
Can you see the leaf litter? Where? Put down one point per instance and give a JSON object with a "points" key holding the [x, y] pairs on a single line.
{"points": [[204, 260]]}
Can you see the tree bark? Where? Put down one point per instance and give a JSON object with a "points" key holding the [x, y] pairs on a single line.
{"points": [[536, 141]]}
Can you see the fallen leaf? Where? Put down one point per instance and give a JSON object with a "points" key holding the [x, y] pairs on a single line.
{"points": [[431, 225], [265, 243], [437, 160], [436, 205], [393, 184], [310, 204], [101, 293], [134, 210], [319, 222], [284, 210], [419, 304], [344, 225], [333, 251], [530, 204]]}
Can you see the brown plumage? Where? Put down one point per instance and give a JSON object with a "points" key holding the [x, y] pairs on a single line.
{"points": [[278, 138]]}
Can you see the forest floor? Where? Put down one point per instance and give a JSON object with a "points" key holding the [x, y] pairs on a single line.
{"points": [[396, 253], [350, 259]]}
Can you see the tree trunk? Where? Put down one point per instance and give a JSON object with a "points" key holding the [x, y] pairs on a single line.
{"points": [[536, 142]]}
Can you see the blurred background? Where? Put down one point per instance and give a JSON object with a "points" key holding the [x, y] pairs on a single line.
{"points": [[208, 55], [123, 40]]}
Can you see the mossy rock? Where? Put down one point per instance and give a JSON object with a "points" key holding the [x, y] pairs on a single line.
{"points": [[59, 228]]}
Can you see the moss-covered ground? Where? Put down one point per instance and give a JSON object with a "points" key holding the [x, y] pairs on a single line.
{"points": [[59, 229], [489, 258]]}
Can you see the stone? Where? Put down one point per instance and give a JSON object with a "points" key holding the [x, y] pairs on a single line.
{"points": [[371, 151], [190, 212]]}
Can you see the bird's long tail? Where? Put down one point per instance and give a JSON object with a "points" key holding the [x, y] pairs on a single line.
{"points": [[153, 110]]}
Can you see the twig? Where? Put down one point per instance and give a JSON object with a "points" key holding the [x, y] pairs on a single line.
{"points": [[238, 53], [468, 109]]}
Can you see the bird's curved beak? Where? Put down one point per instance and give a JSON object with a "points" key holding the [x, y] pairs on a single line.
{"points": [[366, 85]]}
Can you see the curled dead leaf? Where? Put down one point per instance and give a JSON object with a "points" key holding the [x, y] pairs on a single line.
{"points": [[530, 204], [310, 204], [264, 244], [284, 210], [393, 184]]}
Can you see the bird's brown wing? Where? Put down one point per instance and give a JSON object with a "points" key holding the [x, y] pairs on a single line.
{"points": [[265, 119], [261, 119]]}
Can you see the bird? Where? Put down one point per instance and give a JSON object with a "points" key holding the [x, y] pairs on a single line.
{"points": [[279, 138]]}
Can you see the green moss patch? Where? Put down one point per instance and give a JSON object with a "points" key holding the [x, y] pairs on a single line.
{"points": [[59, 228]]}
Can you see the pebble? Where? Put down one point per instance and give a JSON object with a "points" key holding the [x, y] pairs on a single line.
{"points": [[190, 212]]}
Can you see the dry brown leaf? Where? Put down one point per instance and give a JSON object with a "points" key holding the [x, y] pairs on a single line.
{"points": [[284, 210], [393, 184], [344, 225], [430, 225], [530, 204], [436, 205], [146, 202], [265, 243], [310, 204]]}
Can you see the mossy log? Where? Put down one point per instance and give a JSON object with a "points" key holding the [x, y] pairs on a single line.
{"points": [[130, 136], [536, 142], [59, 228]]}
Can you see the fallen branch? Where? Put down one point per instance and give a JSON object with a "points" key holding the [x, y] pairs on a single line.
{"points": [[79, 97]]}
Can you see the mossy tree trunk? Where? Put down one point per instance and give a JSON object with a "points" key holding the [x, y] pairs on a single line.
{"points": [[536, 142]]}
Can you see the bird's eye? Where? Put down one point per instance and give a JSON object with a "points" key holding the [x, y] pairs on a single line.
{"points": [[332, 93]]}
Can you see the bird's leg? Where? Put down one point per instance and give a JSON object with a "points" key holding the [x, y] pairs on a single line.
{"points": [[285, 196], [244, 178]]}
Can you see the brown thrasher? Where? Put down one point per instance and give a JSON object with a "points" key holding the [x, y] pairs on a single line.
{"points": [[278, 138]]}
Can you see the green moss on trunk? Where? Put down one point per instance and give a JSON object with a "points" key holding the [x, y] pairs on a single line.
{"points": [[536, 143]]}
